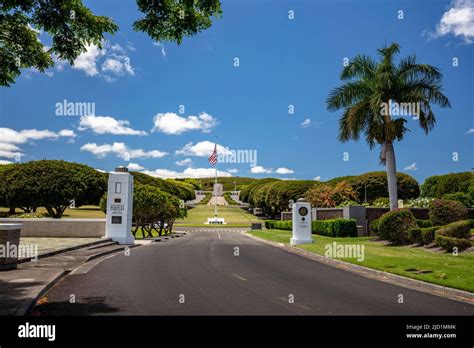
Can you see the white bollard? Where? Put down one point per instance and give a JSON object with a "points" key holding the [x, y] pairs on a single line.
{"points": [[301, 214]]}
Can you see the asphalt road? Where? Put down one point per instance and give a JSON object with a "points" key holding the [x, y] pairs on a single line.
{"points": [[201, 274]]}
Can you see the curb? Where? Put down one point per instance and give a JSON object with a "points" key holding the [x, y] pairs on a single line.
{"points": [[33, 295], [27, 305], [433, 289], [65, 250]]}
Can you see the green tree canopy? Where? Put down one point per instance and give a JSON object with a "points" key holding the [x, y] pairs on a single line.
{"points": [[72, 27]]}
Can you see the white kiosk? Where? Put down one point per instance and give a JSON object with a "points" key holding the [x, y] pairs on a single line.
{"points": [[301, 223], [119, 206]]}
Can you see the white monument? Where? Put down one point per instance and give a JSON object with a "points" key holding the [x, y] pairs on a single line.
{"points": [[218, 190], [301, 223], [119, 206]]}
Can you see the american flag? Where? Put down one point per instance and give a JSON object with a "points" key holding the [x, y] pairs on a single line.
{"points": [[213, 157]]}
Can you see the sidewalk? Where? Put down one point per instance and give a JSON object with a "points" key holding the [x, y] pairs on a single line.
{"points": [[20, 288]]}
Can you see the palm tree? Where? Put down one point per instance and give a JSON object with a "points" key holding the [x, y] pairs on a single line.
{"points": [[370, 86]]}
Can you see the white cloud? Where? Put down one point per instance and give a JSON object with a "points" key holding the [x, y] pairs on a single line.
{"points": [[260, 170], [233, 171], [470, 131], [10, 138], [8, 135], [118, 65], [458, 20], [120, 150], [100, 170], [160, 45], [201, 149], [317, 178], [306, 123], [187, 173], [134, 166], [87, 61], [171, 123], [111, 58], [107, 125], [184, 162], [5, 162], [411, 167], [283, 170]]}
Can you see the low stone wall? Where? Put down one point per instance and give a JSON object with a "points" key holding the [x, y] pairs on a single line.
{"points": [[327, 213], [59, 228]]}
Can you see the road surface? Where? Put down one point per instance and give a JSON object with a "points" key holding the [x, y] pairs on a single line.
{"points": [[224, 272]]}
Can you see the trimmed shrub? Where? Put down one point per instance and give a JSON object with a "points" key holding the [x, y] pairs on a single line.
{"points": [[471, 222], [374, 226], [428, 234], [414, 235], [424, 223], [394, 225], [461, 197], [458, 229], [449, 243], [444, 211], [335, 227], [279, 225]]}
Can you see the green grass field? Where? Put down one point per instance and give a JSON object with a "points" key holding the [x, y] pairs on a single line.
{"points": [[234, 217], [413, 262], [84, 212]]}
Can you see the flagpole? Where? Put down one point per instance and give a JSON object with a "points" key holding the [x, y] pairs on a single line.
{"points": [[215, 188]]}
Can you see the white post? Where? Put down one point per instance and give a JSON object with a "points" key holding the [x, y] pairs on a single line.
{"points": [[120, 206], [215, 194], [301, 214]]}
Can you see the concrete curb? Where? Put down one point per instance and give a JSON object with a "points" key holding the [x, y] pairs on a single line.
{"points": [[433, 289], [65, 250], [34, 295]]}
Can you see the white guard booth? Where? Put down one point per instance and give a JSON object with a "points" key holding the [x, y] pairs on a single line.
{"points": [[301, 223], [119, 206]]}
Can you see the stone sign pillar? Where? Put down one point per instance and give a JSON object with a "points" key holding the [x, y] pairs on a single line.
{"points": [[119, 206], [301, 223]]}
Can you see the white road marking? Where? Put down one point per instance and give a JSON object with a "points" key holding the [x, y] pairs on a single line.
{"points": [[219, 234]]}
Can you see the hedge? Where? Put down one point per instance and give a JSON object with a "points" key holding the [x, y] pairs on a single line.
{"points": [[394, 225], [428, 234], [374, 226], [449, 243], [424, 223], [279, 225], [459, 229], [330, 228], [414, 235], [444, 211], [335, 227]]}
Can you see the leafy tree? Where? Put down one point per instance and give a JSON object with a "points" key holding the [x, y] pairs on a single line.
{"points": [[51, 184], [369, 85], [328, 196], [439, 185], [72, 27]]}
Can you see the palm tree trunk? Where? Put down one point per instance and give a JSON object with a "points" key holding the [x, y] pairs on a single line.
{"points": [[391, 175]]}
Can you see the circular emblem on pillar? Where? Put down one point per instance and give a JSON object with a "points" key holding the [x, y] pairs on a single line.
{"points": [[303, 211]]}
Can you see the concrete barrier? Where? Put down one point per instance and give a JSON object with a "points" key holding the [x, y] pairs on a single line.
{"points": [[59, 228], [9, 239]]}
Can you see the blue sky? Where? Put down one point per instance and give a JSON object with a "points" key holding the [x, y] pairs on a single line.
{"points": [[282, 62]]}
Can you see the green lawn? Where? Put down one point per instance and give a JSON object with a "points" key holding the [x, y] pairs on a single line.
{"points": [[84, 212], [234, 217], [442, 268]]}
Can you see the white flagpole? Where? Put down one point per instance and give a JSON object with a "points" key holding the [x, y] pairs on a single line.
{"points": [[215, 189]]}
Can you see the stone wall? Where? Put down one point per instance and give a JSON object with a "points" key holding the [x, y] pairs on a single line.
{"points": [[327, 213], [58, 228]]}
